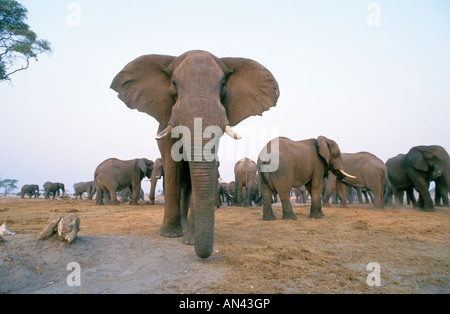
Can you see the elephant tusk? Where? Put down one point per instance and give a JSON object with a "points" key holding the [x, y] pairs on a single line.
{"points": [[4, 231], [346, 174], [231, 133], [164, 133]]}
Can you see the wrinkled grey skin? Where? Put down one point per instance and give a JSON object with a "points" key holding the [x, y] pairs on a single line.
{"points": [[114, 174], [84, 187], [53, 187], [179, 92], [30, 189]]}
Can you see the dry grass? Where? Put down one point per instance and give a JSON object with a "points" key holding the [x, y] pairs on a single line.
{"points": [[328, 255]]}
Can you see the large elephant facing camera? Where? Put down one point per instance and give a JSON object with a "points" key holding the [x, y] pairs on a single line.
{"points": [[114, 174], [416, 169], [201, 96], [297, 163]]}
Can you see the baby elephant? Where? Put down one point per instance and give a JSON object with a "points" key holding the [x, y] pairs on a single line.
{"points": [[114, 174]]}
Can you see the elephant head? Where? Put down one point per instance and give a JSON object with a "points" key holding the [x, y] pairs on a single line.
{"points": [[424, 164], [330, 152], [432, 159], [177, 91]]}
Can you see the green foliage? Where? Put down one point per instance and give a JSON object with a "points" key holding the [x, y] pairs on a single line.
{"points": [[9, 185], [18, 43]]}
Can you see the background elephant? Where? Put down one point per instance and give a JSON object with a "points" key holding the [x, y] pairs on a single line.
{"points": [[369, 171], [399, 181], [114, 174], [30, 189], [126, 195], [299, 163], [84, 187], [301, 195], [201, 96], [244, 176], [54, 188], [416, 169], [225, 193], [157, 173]]}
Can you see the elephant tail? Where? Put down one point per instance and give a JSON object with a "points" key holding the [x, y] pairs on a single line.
{"points": [[386, 176]]}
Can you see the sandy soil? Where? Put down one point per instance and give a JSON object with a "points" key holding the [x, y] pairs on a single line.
{"points": [[119, 250]]}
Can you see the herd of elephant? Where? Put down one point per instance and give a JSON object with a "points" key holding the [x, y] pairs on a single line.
{"points": [[200, 94]]}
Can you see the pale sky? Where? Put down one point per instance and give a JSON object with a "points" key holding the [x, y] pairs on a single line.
{"points": [[372, 75]]}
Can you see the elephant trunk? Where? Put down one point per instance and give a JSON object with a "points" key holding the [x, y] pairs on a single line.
{"points": [[202, 175]]}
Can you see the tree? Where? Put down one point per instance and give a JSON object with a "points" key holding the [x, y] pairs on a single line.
{"points": [[9, 185], [18, 43]]}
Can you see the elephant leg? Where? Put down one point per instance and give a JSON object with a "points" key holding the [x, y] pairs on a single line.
{"points": [[341, 191], [267, 203], [288, 213], [247, 197], [135, 190], [378, 196], [99, 199], [421, 186], [186, 193], [316, 189], [112, 188], [187, 216], [171, 226]]}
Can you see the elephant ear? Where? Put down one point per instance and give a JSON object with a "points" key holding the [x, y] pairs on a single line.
{"points": [[144, 84], [323, 148], [416, 159], [145, 165], [251, 89]]}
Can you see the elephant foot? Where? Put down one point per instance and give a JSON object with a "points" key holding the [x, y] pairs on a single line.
{"points": [[316, 215], [188, 239], [291, 216], [430, 210], [269, 217], [134, 203], [115, 203], [171, 231]]}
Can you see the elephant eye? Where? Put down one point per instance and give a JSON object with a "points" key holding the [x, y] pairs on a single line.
{"points": [[174, 84]]}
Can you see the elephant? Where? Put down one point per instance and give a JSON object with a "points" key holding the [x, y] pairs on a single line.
{"points": [[225, 194], [126, 195], [82, 187], [30, 189], [441, 192], [297, 163], [244, 176], [53, 187], [202, 97], [114, 174], [399, 181], [301, 195], [158, 172], [416, 169], [370, 172]]}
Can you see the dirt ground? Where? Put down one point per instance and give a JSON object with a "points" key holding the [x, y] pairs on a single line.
{"points": [[119, 250]]}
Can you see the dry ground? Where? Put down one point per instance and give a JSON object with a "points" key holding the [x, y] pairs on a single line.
{"points": [[120, 251]]}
